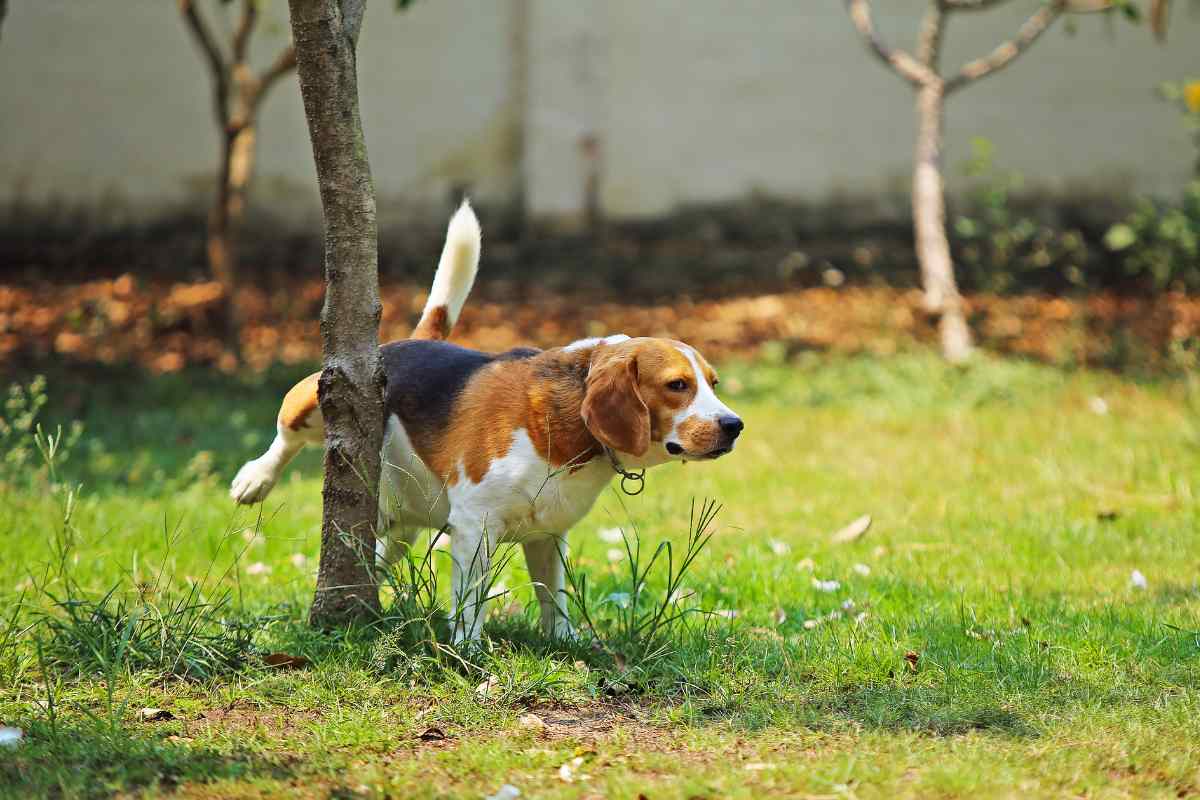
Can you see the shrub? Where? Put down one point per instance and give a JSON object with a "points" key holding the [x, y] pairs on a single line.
{"points": [[1161, 241]]}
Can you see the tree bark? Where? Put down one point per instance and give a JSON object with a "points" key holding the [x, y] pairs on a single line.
{"points": [[929, 227], [351, 386]]}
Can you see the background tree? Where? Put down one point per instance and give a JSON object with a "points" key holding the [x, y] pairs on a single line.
{"points": [[351, 385], [922, 70], [238, 93]]}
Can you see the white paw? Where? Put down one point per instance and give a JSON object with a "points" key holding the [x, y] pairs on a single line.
{"points": [[253, 482]]}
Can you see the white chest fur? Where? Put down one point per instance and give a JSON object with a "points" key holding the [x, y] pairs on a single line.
{"points": [[520, 495]]}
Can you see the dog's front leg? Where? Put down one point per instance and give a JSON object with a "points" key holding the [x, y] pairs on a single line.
{"points": [[545, 558], [471, 548]]}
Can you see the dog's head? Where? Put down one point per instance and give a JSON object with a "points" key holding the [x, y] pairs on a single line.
{"points": [[653, 399]]}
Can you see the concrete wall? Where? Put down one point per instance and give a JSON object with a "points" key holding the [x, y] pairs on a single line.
{"points": [[651, 103]]}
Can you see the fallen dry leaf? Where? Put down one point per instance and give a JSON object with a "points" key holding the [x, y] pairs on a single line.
{"points": [[531, 721], [285, 661], [912, 658], [852, 532], [155, 715], [505, 792], [433, 735]]}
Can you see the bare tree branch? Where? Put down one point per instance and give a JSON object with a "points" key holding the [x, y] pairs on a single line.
{"points": [[284, 63], [352, 18], [901, 62], [970, 5], [241, 37], [1158, 18], [929, 40], [1004, 55], [216, 62]]}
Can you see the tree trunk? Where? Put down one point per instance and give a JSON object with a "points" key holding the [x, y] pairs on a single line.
{"points": [[241, 169], [351, 386], [222, 247], [929, 226], [222, 259]]}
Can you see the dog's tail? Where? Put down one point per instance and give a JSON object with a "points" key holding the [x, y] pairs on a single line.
{"points": [[454, 277]]}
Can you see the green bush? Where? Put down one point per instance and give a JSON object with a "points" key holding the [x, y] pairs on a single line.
{"points": [[1001, 247], [1161, 242]]}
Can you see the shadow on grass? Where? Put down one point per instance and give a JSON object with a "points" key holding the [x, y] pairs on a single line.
{"points": [[94, 761]]}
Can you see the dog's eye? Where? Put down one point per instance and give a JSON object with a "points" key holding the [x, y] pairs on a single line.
{"points": [[677, 385]]}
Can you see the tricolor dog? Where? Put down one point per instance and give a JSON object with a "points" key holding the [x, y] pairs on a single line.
{"points": [[515, 446]]}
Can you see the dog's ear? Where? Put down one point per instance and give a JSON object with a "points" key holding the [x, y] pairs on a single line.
{"points": [[613, 411]]}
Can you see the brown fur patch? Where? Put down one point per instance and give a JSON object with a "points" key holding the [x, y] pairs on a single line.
{"points": [[613, 409], [299, 403], [699, 435], [541, 395], [434, 324]]}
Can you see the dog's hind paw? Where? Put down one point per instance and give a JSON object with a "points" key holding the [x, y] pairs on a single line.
{"points": [[252, 483]]}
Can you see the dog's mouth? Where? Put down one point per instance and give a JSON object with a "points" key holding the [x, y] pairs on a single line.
{"points": [[676, 449]]}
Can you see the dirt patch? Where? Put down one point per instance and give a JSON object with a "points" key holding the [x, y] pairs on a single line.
{"points": [[166, 327]]}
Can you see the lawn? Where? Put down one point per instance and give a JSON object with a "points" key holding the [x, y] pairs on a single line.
{"points": [[1021, 618]]}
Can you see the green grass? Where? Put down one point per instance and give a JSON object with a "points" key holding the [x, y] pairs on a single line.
{"points": [[984, 638]]}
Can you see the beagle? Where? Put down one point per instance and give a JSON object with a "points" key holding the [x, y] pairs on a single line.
{"points": [[510, 447]]}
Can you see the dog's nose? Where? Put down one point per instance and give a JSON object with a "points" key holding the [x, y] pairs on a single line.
{"points": [[731, 426]]}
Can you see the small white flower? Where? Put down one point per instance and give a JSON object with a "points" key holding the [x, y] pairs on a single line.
{"points": [[779, 548], [610, 535], [727, 613], [258, 568], [847, 604], [825, 586], [809, 624], [805, 564], [1137, 580], [505, 792], [566, 773], [860, 618], [299, 560], [615, 554], [619, 599], [862, 569], [680, 594], [10, 737], [1098, 405]]}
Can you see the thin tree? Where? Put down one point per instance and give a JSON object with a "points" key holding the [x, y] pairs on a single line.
{"points": [[350, 390], [238, 94], [922, 70]]}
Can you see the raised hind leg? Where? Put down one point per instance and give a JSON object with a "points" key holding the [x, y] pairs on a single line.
{"points": [[299, 423]]}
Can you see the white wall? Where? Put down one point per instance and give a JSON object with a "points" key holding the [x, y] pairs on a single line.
{"points": [[112, 105], [107, 104]]}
